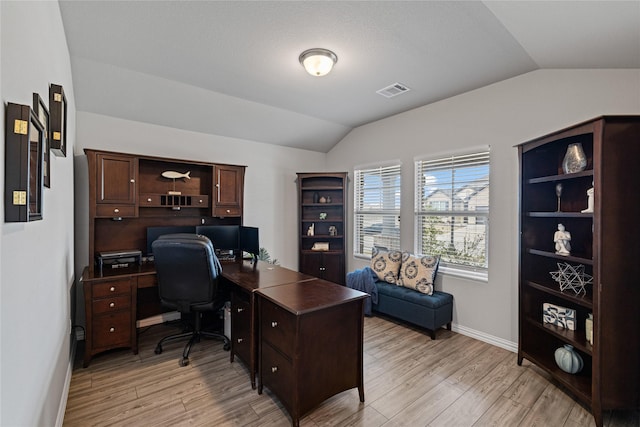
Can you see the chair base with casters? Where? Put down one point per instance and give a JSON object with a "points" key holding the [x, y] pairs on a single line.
{"points": [[194, 337]]}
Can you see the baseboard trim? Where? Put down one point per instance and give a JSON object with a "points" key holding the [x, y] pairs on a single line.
{"points": [[156, 320], [489, 339], [62, 408]]}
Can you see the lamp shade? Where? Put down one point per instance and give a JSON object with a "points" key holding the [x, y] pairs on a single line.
{"points": [[318, 62]]}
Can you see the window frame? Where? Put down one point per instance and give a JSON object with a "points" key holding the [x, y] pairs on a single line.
{"points": [[463, 216], [390, 214]]}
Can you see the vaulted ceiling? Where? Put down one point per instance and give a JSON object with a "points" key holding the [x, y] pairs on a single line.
{"points": [[231, 68]]}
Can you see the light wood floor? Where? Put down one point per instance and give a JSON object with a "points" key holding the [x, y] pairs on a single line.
{"points": [[410, 380]]}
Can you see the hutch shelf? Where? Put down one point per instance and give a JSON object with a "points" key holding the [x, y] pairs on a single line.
{"points": [[602, 243]]}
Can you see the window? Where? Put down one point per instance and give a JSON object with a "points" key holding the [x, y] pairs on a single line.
{"points": [[452, 211], [376, 209]]}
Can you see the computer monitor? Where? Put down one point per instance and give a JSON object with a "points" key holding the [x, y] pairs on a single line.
{"points": [[154, 232], [225, 238], [249, 241]]}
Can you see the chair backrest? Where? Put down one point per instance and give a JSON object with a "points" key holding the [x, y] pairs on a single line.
{"points": [[187, 270]]}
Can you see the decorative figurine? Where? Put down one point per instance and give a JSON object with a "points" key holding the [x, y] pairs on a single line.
{"points": [[323, 215], [589, 201], [311, 229], [558, 193], [333, 231], [562, 239]]}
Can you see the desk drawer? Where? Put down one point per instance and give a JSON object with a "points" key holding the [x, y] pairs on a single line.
{"points": [[277, 326], [110, 305], [115, 211], [111, 330], [111, 287], [277, 374], [223, 212]]}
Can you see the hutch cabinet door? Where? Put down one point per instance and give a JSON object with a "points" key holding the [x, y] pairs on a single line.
{"points": [[116, 179], [229, 184]]}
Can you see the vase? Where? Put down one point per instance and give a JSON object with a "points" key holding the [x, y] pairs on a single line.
{"points": [[574, 159], [568, 359]]}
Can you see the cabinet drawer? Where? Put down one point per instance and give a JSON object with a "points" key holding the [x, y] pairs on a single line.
{"points": [[226, 211], [111, 211], [277, 326], [241, 327], [111, 330], [277, 374], [112, 287], [110, 305]]}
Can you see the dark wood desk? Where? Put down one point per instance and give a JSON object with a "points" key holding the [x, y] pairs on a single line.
{"points": [[246, 278], [311, 343]]}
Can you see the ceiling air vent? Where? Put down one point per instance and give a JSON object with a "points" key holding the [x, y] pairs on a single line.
{"points": [[393, 90]]}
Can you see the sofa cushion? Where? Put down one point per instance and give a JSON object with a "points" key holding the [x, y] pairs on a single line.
{"points": [[433, 301], [418, 273], [386, 264]]}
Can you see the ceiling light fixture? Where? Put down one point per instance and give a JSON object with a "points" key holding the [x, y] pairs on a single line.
{"points": [[318, 62]]}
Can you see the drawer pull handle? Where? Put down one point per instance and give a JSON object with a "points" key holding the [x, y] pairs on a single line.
{"points": [[116, 210], [201, 201], [149, 199], [132, 180], [240, 310], [112, 329], [240, 340], [112, 289], [274, 324], [274, 369], [113, 304], [228, 210]]}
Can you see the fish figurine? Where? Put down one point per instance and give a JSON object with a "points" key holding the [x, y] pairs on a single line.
{"points": [[176, 175]]}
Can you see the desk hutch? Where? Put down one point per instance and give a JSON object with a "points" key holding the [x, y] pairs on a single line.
{"points": [[127, 194]]}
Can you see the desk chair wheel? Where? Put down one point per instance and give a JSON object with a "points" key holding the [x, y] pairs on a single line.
{"points": [[158, 349], [226, 346], [184, 361]]}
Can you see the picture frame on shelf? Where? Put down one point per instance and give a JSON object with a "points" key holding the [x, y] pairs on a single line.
{"points": [[57, 120], [559, 316], [42, 113]]}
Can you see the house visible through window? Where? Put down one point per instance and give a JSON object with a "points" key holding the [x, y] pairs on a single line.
{"points": [[376, 209], [452, 211]]}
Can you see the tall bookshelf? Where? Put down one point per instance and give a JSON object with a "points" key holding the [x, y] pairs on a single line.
{"points": [[605, 242], [322, 208]]}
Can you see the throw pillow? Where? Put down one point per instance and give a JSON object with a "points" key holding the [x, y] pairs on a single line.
{"points": [[418, 273], [386, 264]]}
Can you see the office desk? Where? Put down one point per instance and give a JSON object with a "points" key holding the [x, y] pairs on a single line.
{"points": [[112, 305], [246, 278]]}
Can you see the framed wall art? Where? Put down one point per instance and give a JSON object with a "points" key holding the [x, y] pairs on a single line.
{"points": [[42, 113], [57, 121], [24, 138]]}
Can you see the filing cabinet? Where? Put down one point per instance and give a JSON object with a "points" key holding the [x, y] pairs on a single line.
{"points": [[110, 305], [310, 343]]}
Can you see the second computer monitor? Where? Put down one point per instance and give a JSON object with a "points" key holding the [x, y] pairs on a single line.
{"points": [[225, 238]]}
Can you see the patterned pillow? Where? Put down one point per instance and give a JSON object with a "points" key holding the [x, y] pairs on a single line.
{"points": [[386, 264], [418, 273]]}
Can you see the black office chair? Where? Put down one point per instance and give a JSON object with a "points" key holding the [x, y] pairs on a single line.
{"points": [[188, 271]]}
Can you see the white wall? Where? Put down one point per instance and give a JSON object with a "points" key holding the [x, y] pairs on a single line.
{"points": [[37, 271], [270, 195], [501, 115]]}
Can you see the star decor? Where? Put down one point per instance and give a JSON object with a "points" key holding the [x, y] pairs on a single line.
{"points": [[571, 277]]}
